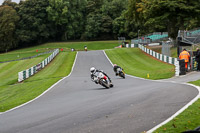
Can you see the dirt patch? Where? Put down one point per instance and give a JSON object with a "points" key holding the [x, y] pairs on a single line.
{"points": [[157, 49], [155, 58], [158, 46]]}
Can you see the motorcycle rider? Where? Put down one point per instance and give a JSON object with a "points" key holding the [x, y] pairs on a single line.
{"points": [[115, 67], [93, 71], [85, 48]]}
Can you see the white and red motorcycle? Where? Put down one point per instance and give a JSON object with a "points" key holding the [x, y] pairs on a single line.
{"points": [[102, 79]]}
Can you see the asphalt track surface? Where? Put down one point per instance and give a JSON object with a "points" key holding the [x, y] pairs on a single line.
{"points": [[77, 105]]}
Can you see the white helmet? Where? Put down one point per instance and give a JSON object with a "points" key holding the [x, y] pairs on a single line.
{"points": [[92, 70]]}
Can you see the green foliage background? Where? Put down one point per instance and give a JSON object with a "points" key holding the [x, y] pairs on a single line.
{"points": [[34, 22]]}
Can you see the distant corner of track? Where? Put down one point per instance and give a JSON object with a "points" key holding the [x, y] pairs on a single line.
{"points": [[126, 74], [179, 111]]}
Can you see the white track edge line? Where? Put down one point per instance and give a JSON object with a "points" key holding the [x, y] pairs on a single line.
{"points": [[107, 57], [44, 91], [179, 111]]}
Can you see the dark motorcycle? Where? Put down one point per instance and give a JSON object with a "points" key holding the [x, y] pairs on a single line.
{"points": [[120, 72]]}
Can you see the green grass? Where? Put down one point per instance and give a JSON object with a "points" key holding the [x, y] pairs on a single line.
{"points": [[9, 71], [91, 45], [14, 94], [136, 63], [187, 120], [20, 54], [31, 51]]}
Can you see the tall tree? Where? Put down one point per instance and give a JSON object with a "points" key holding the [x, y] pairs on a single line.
{"points": [[93, 26], [114, 8], [68, 17], [76, 19], [33, 26], [119, 26], [100, 16], [9, 3], [58, 14], [93, 19], [94, 6], [135, 19], [8, 21], [106, 27], [170, 14]]}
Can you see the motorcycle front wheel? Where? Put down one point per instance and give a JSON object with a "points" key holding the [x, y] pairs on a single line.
{"points": [[104, 83], [122, 75]]}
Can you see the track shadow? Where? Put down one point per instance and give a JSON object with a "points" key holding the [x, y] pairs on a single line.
{"points": [[102, 88]]}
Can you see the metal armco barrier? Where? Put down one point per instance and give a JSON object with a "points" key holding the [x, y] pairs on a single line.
{"points": [[163, 58], [31, 71]]}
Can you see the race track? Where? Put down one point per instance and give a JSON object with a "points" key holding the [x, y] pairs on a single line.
{"points": [[77, 105]]}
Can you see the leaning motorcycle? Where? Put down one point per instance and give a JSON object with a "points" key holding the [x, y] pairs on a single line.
{"points": [[121, 72], [102, 79]]}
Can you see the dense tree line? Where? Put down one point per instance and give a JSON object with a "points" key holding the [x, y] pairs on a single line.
{"points": [[164, 15], [33, 22]]}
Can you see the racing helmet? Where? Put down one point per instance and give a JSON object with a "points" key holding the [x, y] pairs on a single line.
{"points": [[92, 70]]}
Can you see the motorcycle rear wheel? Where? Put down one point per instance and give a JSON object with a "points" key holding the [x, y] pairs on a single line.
{"points": [[122, 75]]}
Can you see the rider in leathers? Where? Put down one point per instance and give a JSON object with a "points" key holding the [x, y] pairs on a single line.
{"points": [[94, 70], [115, 67]]}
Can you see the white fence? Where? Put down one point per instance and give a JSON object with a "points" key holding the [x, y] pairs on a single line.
{"points": [[163, 58], [31, 71]]}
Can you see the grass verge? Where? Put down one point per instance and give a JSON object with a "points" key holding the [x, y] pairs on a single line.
{"points": [[66, 46], [16, 94], [91, 45], [20, 54], [9, 71], [136, 63], [158, 49], [187, 120]]}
